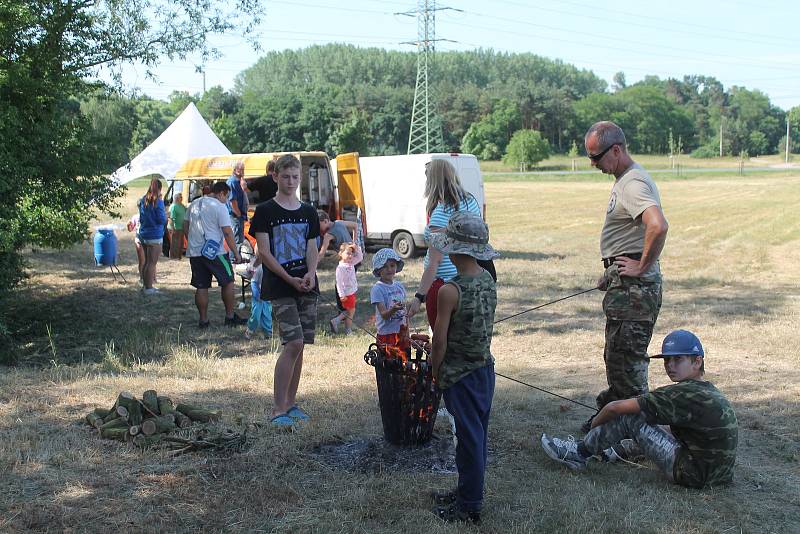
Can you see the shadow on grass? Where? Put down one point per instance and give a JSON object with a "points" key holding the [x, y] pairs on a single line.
{"points": [[530, 256]]}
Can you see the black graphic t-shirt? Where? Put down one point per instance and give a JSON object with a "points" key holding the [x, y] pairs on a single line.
{"points": [[289, 232]]}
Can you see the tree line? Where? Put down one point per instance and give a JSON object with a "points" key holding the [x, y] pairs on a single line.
{"points": [[341, 98]]}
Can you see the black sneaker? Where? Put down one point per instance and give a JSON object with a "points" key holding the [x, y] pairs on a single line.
{"points": [[203, 324], [235, 321], [453, 513]]}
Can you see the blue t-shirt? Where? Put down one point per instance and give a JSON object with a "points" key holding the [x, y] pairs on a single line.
{"points": [[386, 294], [237, 194], [439, 218]]}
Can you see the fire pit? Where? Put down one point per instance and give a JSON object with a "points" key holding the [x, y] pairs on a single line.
{"points": [[407, 395]]}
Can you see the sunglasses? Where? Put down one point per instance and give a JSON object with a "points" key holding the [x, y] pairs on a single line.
{"points": [[597, 157]]}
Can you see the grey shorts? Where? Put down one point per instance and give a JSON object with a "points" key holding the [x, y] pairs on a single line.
{"points": [[296, 317]]}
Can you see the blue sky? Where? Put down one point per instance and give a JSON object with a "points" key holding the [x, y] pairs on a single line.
{"points": [[749, 43]]}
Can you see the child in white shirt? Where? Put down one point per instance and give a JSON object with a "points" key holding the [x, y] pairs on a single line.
{"points": [[350, 255]]}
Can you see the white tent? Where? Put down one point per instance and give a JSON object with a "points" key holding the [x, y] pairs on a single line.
{"points": [[187, 137]]}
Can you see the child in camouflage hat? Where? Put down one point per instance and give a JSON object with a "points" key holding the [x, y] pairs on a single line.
{"points": [[461, 359], [700, 448]]}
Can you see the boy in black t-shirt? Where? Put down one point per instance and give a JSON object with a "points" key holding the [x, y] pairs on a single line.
{"points": [[286, 231]]}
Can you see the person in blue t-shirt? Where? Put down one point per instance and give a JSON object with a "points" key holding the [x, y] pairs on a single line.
{"points": [[237, 202]]}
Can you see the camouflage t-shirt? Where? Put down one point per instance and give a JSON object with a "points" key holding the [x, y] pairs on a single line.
{"points": [[704, 423], [469, 336]]}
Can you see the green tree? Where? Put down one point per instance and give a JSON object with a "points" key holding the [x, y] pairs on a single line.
{"points": [[49, 49], [489, 137], [352, 135], [527, 147]]}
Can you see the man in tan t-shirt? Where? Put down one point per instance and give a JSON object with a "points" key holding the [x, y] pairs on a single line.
{"points": [[632, 239]]}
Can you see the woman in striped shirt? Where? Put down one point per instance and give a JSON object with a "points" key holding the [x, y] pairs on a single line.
{"points": [[445, 196]]}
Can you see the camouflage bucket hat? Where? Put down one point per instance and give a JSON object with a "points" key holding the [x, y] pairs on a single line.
{"points": [[380, 259], [466, 233]]}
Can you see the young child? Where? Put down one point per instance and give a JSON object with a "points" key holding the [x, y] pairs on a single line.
{"points": [[461, 359], [350, 255], [388, 297], [260, 309], [286, 230]]}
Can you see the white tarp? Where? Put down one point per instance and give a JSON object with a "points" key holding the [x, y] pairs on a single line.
{"points": [[187, 137]]}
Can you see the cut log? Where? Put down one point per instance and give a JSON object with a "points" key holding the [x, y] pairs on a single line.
{"points": [[196, 413], [150, 401], [111, 415], [133, 430], [114, 433], [122, 411], [165, 405], [143, 441], [130, 403], [157, 425], [181, 420], [101, 412], [94, 420], [119, 422]]}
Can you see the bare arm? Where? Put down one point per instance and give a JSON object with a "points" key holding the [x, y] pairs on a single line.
{"points": [[311, 261], [228, 233], [352, 226], [386, 313], [655, 235], [326, 241], [614, 409], [446, 303], [428, 276]]}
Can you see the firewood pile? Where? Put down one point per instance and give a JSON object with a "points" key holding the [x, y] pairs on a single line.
{"points": [[149, 420]]}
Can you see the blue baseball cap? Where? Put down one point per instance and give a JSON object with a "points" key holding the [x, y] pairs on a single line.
{"points": [[680, 343]]}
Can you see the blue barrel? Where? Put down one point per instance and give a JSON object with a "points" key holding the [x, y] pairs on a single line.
{"points": [[105, 247]]}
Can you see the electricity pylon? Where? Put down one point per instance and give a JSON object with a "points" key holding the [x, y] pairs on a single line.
{"points": [[425, 134]]}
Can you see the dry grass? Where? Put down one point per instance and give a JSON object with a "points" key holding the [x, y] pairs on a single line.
{"points": [[731, 269]]}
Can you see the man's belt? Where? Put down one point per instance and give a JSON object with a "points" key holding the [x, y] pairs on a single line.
{"points": [[607, 262]]}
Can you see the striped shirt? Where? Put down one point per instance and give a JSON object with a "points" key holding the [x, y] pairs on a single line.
{"points": [[439, 218]]}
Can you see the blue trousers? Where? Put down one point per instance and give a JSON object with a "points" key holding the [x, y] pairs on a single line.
{"points": [[469, 401]]}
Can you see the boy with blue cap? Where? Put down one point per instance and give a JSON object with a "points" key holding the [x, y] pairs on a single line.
{"points": [[700, 447]]}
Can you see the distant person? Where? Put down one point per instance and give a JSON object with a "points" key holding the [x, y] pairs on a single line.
{"points": [[237, 202], [445, 196], [286, 231], [264, 187], [177, 211], [350, 255], [388, 296], [152, 218], [206, 225], [631, 242], [334, 233], [461, 357], [698, 450], [133, 226]]}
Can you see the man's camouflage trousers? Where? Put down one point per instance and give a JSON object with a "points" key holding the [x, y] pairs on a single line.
{"points": [[653, 441], [631, 306]]}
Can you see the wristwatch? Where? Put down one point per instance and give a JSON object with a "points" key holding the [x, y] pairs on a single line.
{"points": [[420, 297]]}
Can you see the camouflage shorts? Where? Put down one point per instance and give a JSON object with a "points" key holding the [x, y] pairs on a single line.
{"points": [[296, 318]]}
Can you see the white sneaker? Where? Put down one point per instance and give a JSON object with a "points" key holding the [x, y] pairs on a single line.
{"points": [[151, 291], [564, 451]]}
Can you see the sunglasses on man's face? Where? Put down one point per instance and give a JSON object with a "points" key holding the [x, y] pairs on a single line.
{"points": [[597, 157]]}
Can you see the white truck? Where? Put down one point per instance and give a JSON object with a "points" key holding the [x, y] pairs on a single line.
{"points": [[390, 192]]}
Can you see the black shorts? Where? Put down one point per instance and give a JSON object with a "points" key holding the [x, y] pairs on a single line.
{"points": [[203, 269]]}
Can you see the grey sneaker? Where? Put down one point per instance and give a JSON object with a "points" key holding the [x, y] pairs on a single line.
{"points": [[564, 451]]}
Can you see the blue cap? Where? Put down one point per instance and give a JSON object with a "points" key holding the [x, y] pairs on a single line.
{"points": [[680, 343]]}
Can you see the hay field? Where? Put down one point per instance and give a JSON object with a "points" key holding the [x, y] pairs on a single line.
{"points": [[731, 267]]}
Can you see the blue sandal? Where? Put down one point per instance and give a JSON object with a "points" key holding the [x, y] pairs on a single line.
{"points": [[282, 421], [297, 414]]}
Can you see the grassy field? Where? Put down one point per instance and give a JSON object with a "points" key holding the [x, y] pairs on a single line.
{"points": [[731, 266], [562, 162]]}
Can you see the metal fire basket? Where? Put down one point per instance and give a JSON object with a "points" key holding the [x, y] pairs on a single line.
{"points": [[407, 396]]}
